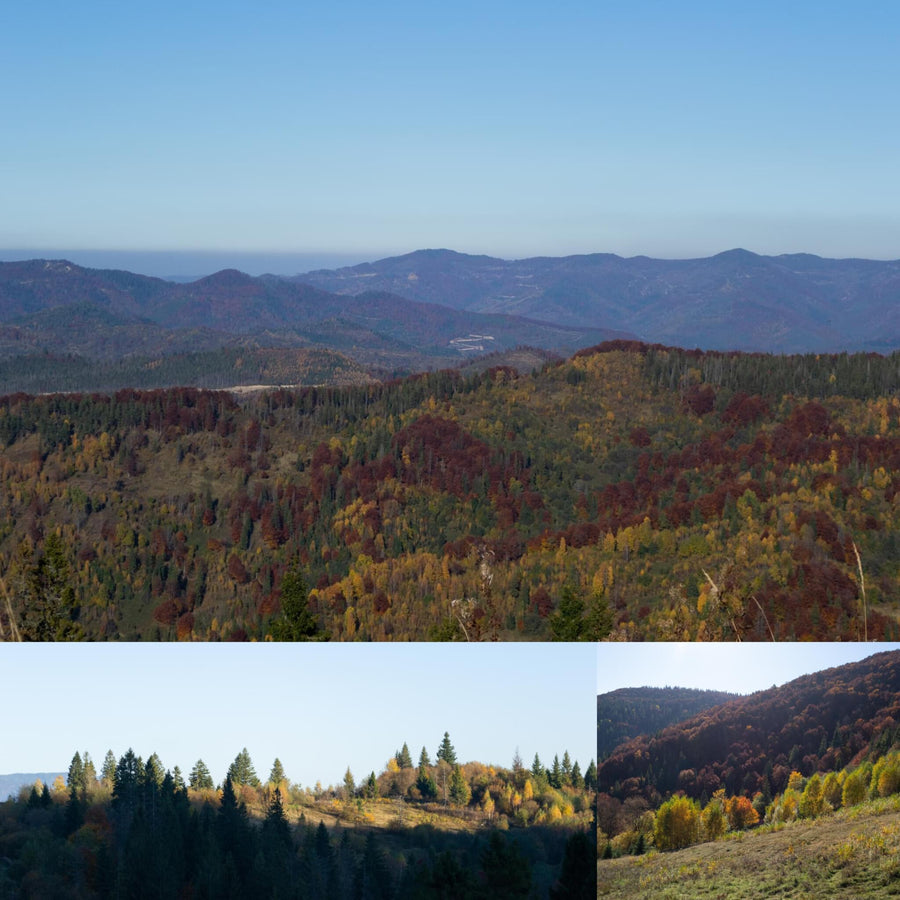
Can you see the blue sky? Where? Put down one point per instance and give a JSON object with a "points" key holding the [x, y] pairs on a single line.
{"points": [[741, 668], [506, 128], [319, 708]]}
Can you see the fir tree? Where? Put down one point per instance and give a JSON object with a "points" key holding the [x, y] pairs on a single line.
{"points": [[349, 784], [200, 778], [371, 788], [276, 776], [578, 878], [404, 760], [296, 622], [446, 751], [460, 793], [108, 770], [75, 779], [590, 776], [241, 771], [566, 774], [554, 776]]}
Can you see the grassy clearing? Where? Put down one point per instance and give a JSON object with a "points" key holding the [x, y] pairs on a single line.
{"points": [[850, 854]]}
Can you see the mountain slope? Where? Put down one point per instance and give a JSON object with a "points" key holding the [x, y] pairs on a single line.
{"points": [[734, 300], [630, 712], [54, 308], [815, 723]]}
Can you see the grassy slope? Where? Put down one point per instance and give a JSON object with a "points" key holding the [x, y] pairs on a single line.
{"points": [[852, 853]]}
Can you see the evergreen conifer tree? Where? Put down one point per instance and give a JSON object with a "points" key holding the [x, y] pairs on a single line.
{"points": [[241, 771], [75, 778], [108, 770], [276, 776], [296, 622], [590, 776], [460, 793], [200, 778], [446, 751], [404, 760]]}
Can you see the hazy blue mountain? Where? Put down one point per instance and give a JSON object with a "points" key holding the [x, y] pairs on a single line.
{"points": [[735, 300]]}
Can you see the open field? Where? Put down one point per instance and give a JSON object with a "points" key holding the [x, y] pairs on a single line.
{"points": [[854, 853]]}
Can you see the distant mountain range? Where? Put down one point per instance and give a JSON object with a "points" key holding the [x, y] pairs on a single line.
{"points": [[433, 308], [55, 307], [735, 300]]}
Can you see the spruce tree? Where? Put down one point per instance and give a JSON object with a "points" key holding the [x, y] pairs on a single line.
{"points": [[75, 779], [349, 784], [537, 769], [446, 751], [554, 776], [590, 776], [276, 776], [241, 771], [566, 774], [424, 759], [200, 778], [404, 760], [108, 771], [460, 793], [296, 622]]}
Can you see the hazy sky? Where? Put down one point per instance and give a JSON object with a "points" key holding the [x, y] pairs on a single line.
{"points": [[740, 668], [317, 707], [366, 129]]}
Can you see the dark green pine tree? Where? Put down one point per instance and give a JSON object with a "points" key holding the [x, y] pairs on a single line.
{"points": [[108, 770], [506, 872], [590, 776], [127, 781], [578, 878], [49, 611], [446, 751], [566, 768], [241, 771], [90, 774], [275, 824], [424, 759], [446, 880], [577, 777], [404, 760], [276, 776], [296, 622], [554, 776], [460, 792], [75, 781], [537, 769], [371, 787], [200, 778], [235, 834], [567, 623]]}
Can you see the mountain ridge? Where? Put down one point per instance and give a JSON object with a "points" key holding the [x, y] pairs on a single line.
{"points": [[734, 300]]}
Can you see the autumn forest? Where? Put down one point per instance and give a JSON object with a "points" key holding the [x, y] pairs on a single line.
{"points": [[438, 828], [632, 491]]}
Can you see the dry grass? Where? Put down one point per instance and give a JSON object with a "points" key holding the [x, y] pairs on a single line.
{"points": [[851, 854]]}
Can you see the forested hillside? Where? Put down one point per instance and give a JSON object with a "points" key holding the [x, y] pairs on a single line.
{"points": [[822, 750], [630, 712], [137, 829], [752, 745], [631, 491]]}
